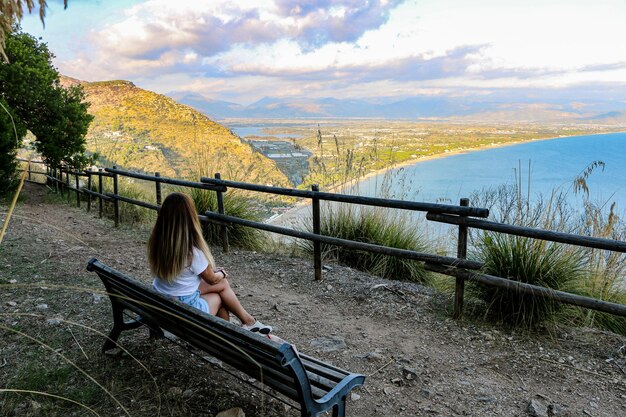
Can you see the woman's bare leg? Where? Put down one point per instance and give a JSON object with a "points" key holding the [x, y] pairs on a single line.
{"points": [[215, 305], [228, 298]]}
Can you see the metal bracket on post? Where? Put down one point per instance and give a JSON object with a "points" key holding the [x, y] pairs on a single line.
{"points": [[459, 289], [317, 246]]}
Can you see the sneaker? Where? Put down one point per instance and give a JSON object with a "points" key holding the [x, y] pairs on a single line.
{"points": [[257, 326]]}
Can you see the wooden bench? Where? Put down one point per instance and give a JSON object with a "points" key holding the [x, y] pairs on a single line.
{"points": [[317, 386]]}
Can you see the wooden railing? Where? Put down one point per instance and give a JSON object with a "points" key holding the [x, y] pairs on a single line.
{"points": [[463, 216]]}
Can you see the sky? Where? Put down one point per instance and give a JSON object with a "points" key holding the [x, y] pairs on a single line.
{"points": [[244, 50]]}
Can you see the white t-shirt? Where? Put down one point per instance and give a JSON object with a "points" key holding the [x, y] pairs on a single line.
{"points": [[189, 279]]}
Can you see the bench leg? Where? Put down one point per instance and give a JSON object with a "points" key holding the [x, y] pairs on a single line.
{"points": [[118, 326], [339, 410], [155, 333]]}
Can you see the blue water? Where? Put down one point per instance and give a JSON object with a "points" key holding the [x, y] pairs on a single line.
{"points": [[553, 163]]}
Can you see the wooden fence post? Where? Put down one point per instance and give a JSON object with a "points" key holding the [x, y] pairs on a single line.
{"points": [[317, 246], [29, 179], [88, 189], [157, 185], [220, 209], [116, 202], [100, 192], [67, 184], [77, 190], [459, 289], [60, 180]]}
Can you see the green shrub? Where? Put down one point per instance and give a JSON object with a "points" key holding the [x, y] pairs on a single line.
{"points": [[129, 213], [371, 225], [605, 271], [589, 272], [234, 205], [530, 261]]}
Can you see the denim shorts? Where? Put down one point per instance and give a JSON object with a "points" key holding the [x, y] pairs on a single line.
{"points": [[195, 301]]}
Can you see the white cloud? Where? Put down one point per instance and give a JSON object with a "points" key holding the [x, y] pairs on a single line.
{"points": [[355, 48]]}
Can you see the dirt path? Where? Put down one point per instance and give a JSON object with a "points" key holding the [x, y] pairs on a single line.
{"points": [[418, 361]]}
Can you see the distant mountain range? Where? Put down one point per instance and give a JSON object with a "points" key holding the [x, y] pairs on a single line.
{"points": [[463, 109]]}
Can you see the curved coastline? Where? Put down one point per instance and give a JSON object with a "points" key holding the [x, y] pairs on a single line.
{"points": [[285, 217]]}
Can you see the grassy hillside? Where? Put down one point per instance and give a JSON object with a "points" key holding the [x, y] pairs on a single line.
{"points": [[141, 130]]}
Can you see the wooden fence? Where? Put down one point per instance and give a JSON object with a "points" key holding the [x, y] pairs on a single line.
{"points": [[462, 215]]}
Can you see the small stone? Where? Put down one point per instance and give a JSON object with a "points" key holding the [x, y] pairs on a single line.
{"points": [[188, 393], [409, 373], [373, 356], [11, 303], [294, 303], [426, 393], [54, 321], [537, 409], [388, 390], [354, 396], [96, 298], [42, 306], [487, 399], [328, 343], [275, 307], [327, 268], [12, 281], [232, 412], [397, 381], [329, 287], [593, 404], [115, 352], [35, 408], [175, 392], [556, 410]]}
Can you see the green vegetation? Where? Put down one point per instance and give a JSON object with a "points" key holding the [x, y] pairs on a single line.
{"points": [[589, 272], [529, 261], [31, 93], [144, 131], [236, 203], [344, 150], [376, 226], [11, 133]]}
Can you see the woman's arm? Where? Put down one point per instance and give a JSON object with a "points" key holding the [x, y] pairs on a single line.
{"points": [[213, 277]]}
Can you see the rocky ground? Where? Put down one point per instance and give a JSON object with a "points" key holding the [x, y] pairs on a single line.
{"points": [[417, 360]]}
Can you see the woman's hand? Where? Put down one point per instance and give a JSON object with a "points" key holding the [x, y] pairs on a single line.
{"points": [[214, 276]]}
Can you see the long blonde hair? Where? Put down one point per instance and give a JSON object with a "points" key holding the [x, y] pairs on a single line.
{"points": [[176, 232]]}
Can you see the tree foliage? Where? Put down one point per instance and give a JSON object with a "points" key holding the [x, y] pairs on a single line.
{"points": [[11, 132], [56, 116], [11, 13]]}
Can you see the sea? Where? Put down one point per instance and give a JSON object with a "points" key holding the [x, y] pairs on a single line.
{"points": [[540, 166]]}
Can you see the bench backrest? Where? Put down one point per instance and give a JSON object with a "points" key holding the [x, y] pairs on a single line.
{"points": [[275, 365]]}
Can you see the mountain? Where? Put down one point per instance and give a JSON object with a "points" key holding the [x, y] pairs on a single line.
{"points": [[145, 131], [419, 107], [613, 117]]}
